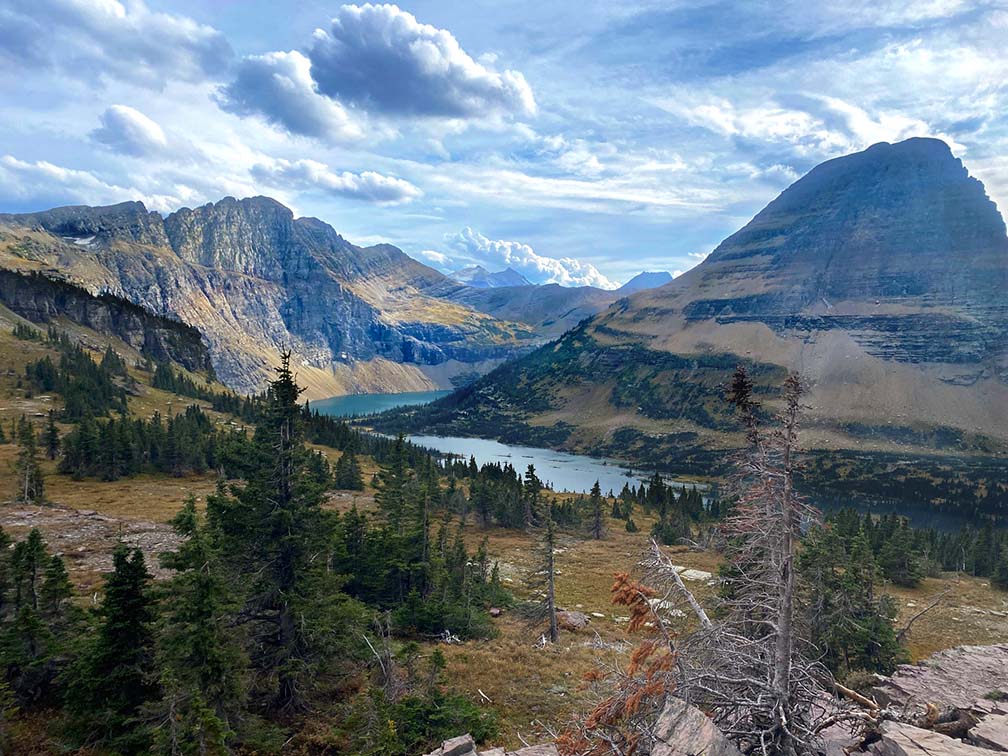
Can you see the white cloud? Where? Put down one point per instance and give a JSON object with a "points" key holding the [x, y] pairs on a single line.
{"points": [[127, 130], [311, 174], [438, 258], [100, 39], [381, 58], [473, 246], [47, 184], [278, 86]]}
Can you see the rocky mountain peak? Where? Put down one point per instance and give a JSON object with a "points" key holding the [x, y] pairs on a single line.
{"points": [[128, 221], [894, 221]]}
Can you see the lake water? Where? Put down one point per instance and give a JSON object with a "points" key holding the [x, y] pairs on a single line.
{"points": [[572, 472], [562, 471], [368, 404]]}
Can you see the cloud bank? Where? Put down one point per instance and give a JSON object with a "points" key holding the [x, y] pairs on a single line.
{"points": [[278, 87], [473, 246], [311, 174]]}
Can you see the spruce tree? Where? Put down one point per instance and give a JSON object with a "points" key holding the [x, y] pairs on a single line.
{"points": [[112, 682], [52, 438], [542, 580], [595, 504], [275, 538], [202, 666], [29, 472]]}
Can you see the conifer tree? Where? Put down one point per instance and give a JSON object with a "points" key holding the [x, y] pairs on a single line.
{"points": [[29, 472], [348, 475], [275, 537], [52, 438], [530, 498], [595, 504], [202, 666], [543, 581], [112, 681]]}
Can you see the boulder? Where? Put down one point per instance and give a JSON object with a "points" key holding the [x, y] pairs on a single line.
{"points": [[991, 732], [463, 745], [572, 621], [900, 739], [684, 730]]}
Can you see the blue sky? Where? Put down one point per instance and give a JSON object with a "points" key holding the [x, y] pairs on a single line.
{"points": [[578, 142]]}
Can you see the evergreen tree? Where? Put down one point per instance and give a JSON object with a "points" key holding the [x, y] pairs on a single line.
{"points": [[275, 537], [202, 664], [542, 580], [52, 437], [29, 472], [112, 681], [595, 504], [530, 498], [348, 475]]}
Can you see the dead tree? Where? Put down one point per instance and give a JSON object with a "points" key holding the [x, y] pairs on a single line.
{"points": [[751, 669]]}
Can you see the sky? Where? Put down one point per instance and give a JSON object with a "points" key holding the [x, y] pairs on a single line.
{"points": [[576, 142]]}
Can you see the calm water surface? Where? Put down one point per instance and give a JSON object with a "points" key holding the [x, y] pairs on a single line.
{"points": [[368, 404]]}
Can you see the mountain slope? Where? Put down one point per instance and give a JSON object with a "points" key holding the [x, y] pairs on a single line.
{"points": [[253, 280], [879, 276], [646, 279]]}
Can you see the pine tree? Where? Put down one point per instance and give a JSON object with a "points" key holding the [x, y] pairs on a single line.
{"points": [[348, 475], [202, 665], [29, 472], [595, 504], [111, 683], [52, 438], [275, 538], [530, 498]]}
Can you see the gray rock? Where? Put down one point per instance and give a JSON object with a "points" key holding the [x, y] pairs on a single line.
{"points": [[572, 621], [905, 740], [954, 678], [991, 732], [684, 730]]}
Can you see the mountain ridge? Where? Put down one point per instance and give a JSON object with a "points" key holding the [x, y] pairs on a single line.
{"points": [[254, 280]]}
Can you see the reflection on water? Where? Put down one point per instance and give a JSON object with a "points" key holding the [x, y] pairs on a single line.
{"points": [[562, 471], [368, 404]]}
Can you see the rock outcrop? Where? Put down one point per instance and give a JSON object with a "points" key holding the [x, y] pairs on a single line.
{"points": [[464, 746], [684, 730], [957, 677], [253, 279], [43, 300]]}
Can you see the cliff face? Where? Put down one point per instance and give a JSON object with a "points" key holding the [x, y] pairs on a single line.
{"points": [[43, 300], [253, 280], [880, 277]]}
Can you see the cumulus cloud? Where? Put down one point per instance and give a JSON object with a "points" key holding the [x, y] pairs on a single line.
{"points": [[381, 58], [311, 174], [127, 130], [278, 86], [438, 258], [95, 39], [43, 184], [473, 246]]}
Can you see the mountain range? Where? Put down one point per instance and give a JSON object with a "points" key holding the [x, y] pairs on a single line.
{"points": [[252, 280], [880, 277]]}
